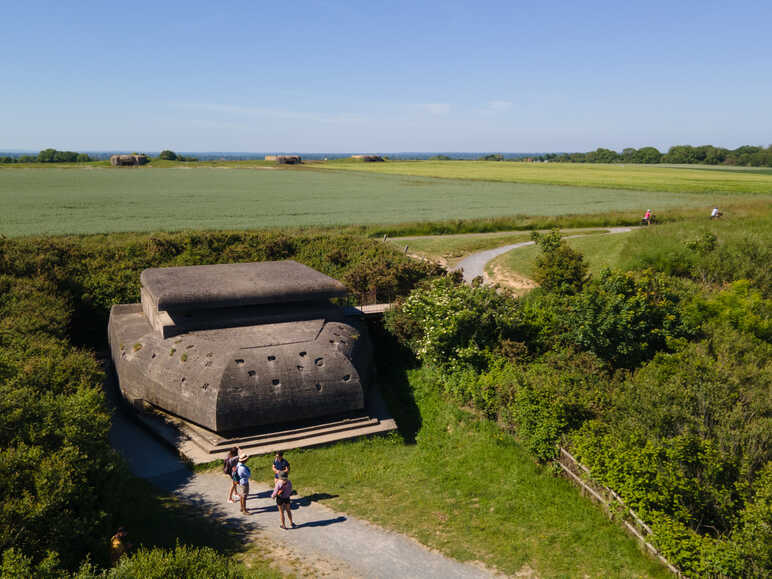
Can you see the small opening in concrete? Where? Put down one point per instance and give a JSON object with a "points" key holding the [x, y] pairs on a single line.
{"points": [[347, 377], [239, 362], [302, 354], [319, 387], [153, 355], [251, 372], [300, 368], [205, 385], [190, 346], [271, 358], [182, 381], [275, 382], [319, 361]]}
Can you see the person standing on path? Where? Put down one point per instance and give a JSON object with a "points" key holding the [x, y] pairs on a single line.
{"points": [[282, 491], [280, 465], [243, 473], [229, 465]]}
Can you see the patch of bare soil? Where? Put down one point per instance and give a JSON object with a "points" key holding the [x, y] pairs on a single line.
{"points": [[519, 284]]}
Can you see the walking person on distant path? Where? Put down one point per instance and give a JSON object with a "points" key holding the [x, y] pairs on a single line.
{"points": [[282, 491], [647, 217], [243, 473], [229, 465], [280, 465]]}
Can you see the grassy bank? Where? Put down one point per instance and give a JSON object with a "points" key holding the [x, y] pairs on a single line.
{"points": [[469, 490], [661, 246], [681, 179]]}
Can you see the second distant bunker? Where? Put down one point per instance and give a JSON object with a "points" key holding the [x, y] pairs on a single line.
{"points": [[236, 346]]}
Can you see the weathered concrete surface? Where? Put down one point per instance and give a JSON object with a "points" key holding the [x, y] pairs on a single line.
{"points": [[238, 346], [237, 284]]}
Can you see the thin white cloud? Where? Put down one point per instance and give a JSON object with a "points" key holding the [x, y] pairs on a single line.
{"points": [[436, 108], [498, 106]]}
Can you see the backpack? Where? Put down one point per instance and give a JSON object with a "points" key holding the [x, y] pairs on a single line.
{"points": [[227, 468]]}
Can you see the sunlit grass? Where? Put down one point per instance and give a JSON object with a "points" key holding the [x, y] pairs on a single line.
{"points": [[469, 490], [680, 179]]}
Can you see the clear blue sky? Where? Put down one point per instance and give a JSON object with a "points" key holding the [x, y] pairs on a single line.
{"points": [[384, 76]]}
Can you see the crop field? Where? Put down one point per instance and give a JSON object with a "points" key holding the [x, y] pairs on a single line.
{"points": [[673, 178], [103, 200]]}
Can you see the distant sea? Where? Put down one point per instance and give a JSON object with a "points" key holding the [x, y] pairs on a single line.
{"points": [[242, 156]]}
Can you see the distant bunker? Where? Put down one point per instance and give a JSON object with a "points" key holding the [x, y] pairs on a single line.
{"points": [[128, 160], [236, 346], [285, 159], [368, 158]]}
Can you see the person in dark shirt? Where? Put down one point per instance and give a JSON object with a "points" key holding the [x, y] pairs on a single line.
{"points": [[229, 465], [280, 465]]}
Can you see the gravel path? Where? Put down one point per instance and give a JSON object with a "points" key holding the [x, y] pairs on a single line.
{"points": [[473, 265], [325, 542]]}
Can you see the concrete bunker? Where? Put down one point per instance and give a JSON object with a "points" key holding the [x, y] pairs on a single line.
{"points": [[232, 347], [128, 160]]}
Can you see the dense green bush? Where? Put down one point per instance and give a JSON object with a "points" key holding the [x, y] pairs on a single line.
{"points": [[58, 474], [626, 318], [181, 562], [447, 323], [559, 268]]}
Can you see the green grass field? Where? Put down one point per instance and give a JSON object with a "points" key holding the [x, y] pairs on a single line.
{"points": [[458, 484], [676, 179], [453, 248], [102, 200]]}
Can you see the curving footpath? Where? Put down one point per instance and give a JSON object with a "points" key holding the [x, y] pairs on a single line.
{"points": [[325, 542], [473, 265]]}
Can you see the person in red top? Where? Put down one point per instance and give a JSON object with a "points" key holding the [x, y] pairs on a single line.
{"points": [[282, 491]]}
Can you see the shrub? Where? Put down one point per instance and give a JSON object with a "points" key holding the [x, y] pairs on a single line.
{"points": [[626, 318], [559, 268], [446, 323]]}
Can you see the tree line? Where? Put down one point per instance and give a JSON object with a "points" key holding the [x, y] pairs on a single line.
{"points": [[49, 156], [745, 156]]}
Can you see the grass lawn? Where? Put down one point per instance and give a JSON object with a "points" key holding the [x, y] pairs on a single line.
{"points": [[458, 484], [676, 179], [626, 250], [103, 200], [600, 251], [453, 248]]}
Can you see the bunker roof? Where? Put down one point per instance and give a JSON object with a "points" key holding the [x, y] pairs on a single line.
{"points": [[237, 284]]}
